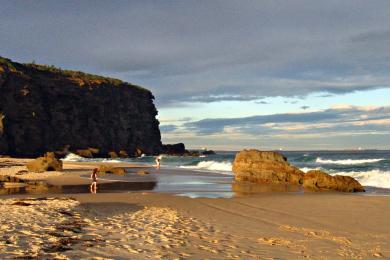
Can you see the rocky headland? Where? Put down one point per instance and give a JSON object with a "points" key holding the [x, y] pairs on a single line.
{"points": [[43, 108]]}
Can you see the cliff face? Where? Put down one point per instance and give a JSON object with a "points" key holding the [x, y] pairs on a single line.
{"points": [[43, 109]]}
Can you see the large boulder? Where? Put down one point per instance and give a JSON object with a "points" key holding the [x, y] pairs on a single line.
{"points": [[46, 163], [265, 167], [319, 180]]}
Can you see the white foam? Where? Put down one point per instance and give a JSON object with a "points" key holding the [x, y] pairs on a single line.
{"points": [[306, 169], [374, 178], [71, 157], [348, 161], [211, 166]]}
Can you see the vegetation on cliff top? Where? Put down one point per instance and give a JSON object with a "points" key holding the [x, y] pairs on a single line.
{"points": [[15, 66]]}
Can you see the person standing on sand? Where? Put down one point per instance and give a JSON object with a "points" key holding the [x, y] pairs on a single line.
{"points": [[94, 180], [158, 161]]}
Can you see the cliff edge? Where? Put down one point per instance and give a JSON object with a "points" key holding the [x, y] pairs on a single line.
{"points": [[43, 108]]}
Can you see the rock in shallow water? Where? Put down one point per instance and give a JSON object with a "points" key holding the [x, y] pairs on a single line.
{"points": [[272, 168], [265, 167], [319, 180]]}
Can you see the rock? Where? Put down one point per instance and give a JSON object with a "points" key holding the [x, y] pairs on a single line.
{"points": [[208, 152], [138, 152], [113, 155], [265, 167], [86, 153], [123, 154], [111, 170], [174, 149], [44, 108], [319, 180], [47, 163], [143, 172]]}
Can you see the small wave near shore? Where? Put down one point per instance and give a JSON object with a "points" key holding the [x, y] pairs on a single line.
{"points": [[348, 161]]}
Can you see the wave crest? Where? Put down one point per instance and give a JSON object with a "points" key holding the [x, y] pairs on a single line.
{"points": [[225, 166], [71, 157], [348, 161], [374, 178]]}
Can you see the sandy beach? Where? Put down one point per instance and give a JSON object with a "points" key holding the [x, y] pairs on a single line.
{"points": [[154, 225], [162, 225]]}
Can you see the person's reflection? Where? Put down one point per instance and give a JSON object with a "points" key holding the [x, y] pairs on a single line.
{"points": [[93, 186]]}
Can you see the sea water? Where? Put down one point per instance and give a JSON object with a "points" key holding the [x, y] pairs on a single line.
{"points": [[370, 167]]}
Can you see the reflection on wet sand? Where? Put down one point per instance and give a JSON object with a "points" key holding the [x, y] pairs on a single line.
{"points": [[247, 188], [44, 188]]}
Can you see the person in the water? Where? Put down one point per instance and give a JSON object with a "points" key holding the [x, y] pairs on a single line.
{"points": [[94, 180], [158, 161]]}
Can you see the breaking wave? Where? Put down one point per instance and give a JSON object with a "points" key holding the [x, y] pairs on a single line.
{"points": [[71, 157], [225, 166], [348, 161], [374, 178]]}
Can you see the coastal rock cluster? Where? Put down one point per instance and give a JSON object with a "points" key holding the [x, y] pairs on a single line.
{"points": [[43, 108], [269, 167]]}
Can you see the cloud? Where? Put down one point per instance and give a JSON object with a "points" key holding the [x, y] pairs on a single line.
{"points": [[209, 51], [167, 128], [305, 107], [337, 120]]}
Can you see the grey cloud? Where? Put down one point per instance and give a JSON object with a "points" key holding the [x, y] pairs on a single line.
{"points": [[340, 119], [208, 51], [305, 107], [167, 128]]}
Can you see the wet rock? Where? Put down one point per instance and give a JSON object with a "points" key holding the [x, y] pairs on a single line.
{"points": [[87, 153], [46, 163], [265, 167], [319, 180], [208, 152], [111, 170], [113, 155], [123, 154], [143, 172], [138, 152]]}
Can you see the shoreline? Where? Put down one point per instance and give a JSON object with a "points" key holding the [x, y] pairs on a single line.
{"points": [[174, 180]]}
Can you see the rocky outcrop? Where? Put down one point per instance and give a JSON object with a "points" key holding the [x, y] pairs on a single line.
{"points": [[111, 170], [265, 167], [46, 163], [44, 109], [273, 168], [319, 180], [179, 149], [174, 149]]}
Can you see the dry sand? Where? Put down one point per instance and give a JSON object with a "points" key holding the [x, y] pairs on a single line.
{"points": [[151, 225]]}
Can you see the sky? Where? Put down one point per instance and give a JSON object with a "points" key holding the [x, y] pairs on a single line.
{"points": [[227, 75]]}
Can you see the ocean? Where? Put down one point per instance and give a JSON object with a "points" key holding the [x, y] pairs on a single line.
{"points": [[370, 167]]}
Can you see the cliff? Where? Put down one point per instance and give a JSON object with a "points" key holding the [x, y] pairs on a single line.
{"points": [[43, 108]]}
